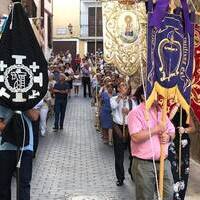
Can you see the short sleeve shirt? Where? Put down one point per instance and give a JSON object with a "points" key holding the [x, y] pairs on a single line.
{"points": [[137, 121], [61, 86]]}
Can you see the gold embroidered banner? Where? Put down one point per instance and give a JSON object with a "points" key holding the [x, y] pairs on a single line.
{"points": [[124, 31], [195, 97]]}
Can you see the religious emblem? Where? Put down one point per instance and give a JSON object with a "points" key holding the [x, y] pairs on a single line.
{"points": [[19, 79], [23, 67], [125, 36], [169, 48], [128, 27]]}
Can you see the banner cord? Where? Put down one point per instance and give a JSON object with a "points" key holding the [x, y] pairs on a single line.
{"points": [[149, 129], [22, 150]]}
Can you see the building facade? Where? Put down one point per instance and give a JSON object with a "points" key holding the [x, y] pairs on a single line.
{"points": [[91, 26], [66, 23], [40, 13], [4, 8], [77, 26], [41, 16], [4, 12]]}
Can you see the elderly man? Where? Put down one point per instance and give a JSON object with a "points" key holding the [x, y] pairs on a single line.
{"points": [[61, 90]]}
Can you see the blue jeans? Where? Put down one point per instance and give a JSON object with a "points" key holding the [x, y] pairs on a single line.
{"points": [[8, 160], [60, 108]]}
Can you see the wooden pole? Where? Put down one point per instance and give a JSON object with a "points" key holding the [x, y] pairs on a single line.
{"points": [[164, 119], [124, 128], [180, 145], [162, 152]]}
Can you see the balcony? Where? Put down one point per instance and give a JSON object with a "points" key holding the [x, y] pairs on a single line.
{"points": [[66, 33], [85, 32]]}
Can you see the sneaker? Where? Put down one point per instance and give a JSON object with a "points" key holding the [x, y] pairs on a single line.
{"points": [[110, 143]]}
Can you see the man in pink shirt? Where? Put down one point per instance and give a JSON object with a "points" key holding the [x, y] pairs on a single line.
{"points": [[144, 149]]}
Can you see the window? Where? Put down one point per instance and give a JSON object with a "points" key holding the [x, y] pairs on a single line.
{"points": [[91, 21]]}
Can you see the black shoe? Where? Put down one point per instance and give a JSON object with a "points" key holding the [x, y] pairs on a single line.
{"points": [[55, 129], [119, 183], [61, 128]]}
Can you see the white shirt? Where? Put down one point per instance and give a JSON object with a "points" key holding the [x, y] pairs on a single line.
{"points": [[117, 109]]}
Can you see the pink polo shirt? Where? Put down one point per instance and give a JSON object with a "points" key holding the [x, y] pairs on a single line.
{"points": [[136, 123]]}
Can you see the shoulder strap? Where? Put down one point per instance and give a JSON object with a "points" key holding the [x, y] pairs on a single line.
{"points": [[130, 104]]}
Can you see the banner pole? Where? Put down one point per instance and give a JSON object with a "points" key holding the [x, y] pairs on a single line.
{"points": [[180, 144], [162, 154], [17, 175], [164, 115]]}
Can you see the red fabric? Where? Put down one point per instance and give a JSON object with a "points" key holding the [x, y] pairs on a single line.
{"points": [[77, 60], [170, 103], [195, 100]]}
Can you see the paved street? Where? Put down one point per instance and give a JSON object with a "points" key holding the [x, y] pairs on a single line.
{"points": [[75, 162]]}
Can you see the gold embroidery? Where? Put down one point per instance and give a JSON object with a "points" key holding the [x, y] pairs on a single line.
{"points": [[197, 38], [125, 36], [195, 95]]}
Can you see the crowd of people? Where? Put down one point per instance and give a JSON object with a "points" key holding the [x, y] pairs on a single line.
{"points": [[121, 119]]}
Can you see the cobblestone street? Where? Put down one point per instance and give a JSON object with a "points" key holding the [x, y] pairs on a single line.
{"points": [[75, 162]]}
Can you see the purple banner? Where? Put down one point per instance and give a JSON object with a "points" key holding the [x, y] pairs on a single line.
{"points": [[161, 10], [170, 59]]}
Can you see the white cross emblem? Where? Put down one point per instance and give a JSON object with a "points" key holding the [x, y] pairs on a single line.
{"points": [[2, 66], [19, 79]]}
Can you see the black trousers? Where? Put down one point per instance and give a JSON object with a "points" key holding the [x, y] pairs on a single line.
{"points": [[86, 83], [119, 148], [36, 129], [8, 162]]}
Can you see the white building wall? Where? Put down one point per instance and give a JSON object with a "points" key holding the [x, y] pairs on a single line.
{"points": [[48, 9], [85, 5], [38, 5], [48, 5], [46, 48], [4, 7]]}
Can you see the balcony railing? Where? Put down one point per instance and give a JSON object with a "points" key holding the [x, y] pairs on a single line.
{"points": [[64, 32], [83, 31]]}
